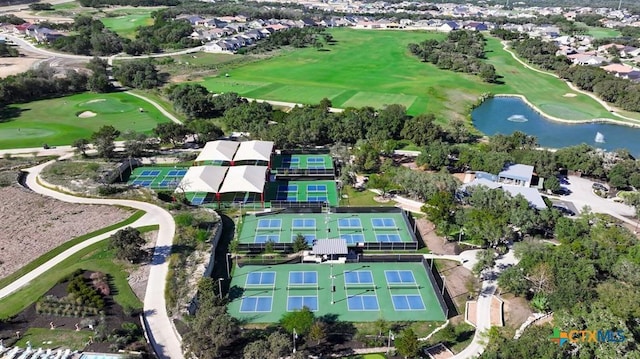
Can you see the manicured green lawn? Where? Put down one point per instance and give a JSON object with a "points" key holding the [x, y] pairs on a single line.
{"points": [[126, 25], [599, 32], [374, 68], [56, 121], [65, 338], [96, 257]]}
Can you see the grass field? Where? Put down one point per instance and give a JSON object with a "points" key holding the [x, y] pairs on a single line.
{"points": [[126, 25], [56, 121], [374, 68], [65, 338], [599, 32], [96, 257]]}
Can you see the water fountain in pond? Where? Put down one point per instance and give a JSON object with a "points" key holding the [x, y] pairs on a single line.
{"points": [[599, 138], [517, 118]]}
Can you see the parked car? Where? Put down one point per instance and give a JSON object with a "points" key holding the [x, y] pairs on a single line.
{"points": [[563, 191], [599, 187], [563, 210]]}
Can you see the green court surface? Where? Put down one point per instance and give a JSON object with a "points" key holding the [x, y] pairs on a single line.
{"points": [[353, 228], [303, 191], [300, 161], [58, 122], [158, 178], [364, 292]]}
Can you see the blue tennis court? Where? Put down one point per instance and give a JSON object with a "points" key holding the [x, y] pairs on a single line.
{"points": [[362, 302], [349, 223], [150, 173], [316, 188], [303, 223], [264, 238], [297, 302], [269, 223], [353, 238], [288, 188], [358, 277], [261, 278], [177, 173], [303, 278], [256, 304], [407, 302], [399, 277], [143, 183], [380, 223], [382, 238]]}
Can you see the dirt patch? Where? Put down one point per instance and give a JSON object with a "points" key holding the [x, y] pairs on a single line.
{"points": [[569, 94], [87, 114], [32, 225], [138, 277], [435, 243], [516, 310], [16, 65]]}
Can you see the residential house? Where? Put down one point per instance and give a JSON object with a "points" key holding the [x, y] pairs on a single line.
{"points": [[22, 29], [618, 68], [585, 59], [237, 27], [630, 51], [448, 26], [219, 46], [215, 24], [516, 175], [476, 26], [194, 20]]}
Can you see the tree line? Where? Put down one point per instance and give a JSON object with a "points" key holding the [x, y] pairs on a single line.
{"points": [[295, 37], [621, 92], [461, 51]]}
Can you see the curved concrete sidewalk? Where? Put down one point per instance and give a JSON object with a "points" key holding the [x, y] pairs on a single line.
{"points": [[160, 329]]}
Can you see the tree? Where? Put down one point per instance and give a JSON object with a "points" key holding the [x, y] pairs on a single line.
{"points": [[512, 280], [440, 208], [268, 247], [317, 332], [99, 83], [300, 320], [541, 278], [170, 132], [103, 140], [204, 130], [435, 155], [210, 331], [552, 184], [407, 344], [300, 243], [135, 143], [81, 144], [276, 345], [380, 182], [140, 74], [193, 100], [422, 130], [128, 244], [381, 325], [486, 259]]}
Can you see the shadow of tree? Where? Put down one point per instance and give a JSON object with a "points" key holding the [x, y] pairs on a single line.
{"points": [[7, 113]]}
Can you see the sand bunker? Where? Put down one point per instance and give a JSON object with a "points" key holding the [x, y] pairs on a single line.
{"points": [[569, 94], [87, 114], [96, 100]]}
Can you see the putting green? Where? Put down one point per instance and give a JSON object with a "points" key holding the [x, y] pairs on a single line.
{"points": [[374, 68], [56, 122]]}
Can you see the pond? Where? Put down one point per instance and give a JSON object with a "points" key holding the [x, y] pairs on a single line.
{"points": [[506, 115]]}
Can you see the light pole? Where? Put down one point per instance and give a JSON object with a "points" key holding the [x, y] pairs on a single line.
{"points": [[460, 235], [228, 259], [389, 341], [220, 287], [295, 336], [333, 288]]}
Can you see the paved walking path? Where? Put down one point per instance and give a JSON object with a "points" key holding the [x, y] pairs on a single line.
{"points": [[161, 334]]}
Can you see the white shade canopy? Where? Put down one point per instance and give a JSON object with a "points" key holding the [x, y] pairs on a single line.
{"points": [[254, 151], [202, 179], [218, 151], [244, 179]]}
